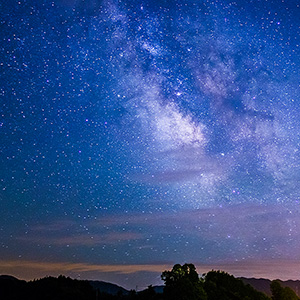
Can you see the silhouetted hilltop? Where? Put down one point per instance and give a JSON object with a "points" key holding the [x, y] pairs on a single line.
{"points": [[108, 288], [9, 277], [48, 288], [11, 287], [102, 286], [263, 285]]}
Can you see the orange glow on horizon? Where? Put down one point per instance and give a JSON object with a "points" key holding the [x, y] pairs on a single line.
{"points": [[29, 270]]}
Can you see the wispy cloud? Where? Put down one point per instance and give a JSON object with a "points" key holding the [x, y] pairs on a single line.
{"points": [[81, 267], [248, 229], [281, 269], [63, 239]]}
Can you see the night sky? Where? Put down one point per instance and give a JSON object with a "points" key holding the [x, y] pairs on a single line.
{"points": [[139, 134]]}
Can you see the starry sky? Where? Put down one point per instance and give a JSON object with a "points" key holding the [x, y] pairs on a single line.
{"points": [[139, 134]]}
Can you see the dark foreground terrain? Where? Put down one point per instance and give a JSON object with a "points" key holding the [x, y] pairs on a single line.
{"points": [[181, 283]]}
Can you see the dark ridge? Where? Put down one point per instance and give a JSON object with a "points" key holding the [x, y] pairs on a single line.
{"points": [[12, 287], [263, 285], [107, 288], [9, 277]]}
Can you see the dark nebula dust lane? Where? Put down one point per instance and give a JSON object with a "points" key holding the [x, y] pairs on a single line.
{"points": [[147, 133]]}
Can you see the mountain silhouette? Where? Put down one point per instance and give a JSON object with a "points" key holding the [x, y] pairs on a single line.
{"points": [[10, 285], [107, 287], [263, 285]]}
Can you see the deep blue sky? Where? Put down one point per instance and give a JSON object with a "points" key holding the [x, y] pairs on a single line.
{"points": [[139, 134]]}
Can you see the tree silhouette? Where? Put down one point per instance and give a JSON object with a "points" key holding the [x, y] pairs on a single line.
{"points": [[183, 283], [282, 293], [220, 285]]}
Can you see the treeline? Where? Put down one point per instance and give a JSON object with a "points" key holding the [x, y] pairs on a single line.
{"points": [[48, 288], [181, 283]]}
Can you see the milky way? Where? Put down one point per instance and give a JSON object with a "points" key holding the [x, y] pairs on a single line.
{"points": [[149, 133]]}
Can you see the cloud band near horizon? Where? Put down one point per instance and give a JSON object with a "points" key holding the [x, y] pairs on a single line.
{"points": [[23, 269]]}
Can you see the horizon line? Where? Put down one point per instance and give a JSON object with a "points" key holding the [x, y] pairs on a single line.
{"points": [[267, 269]]}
